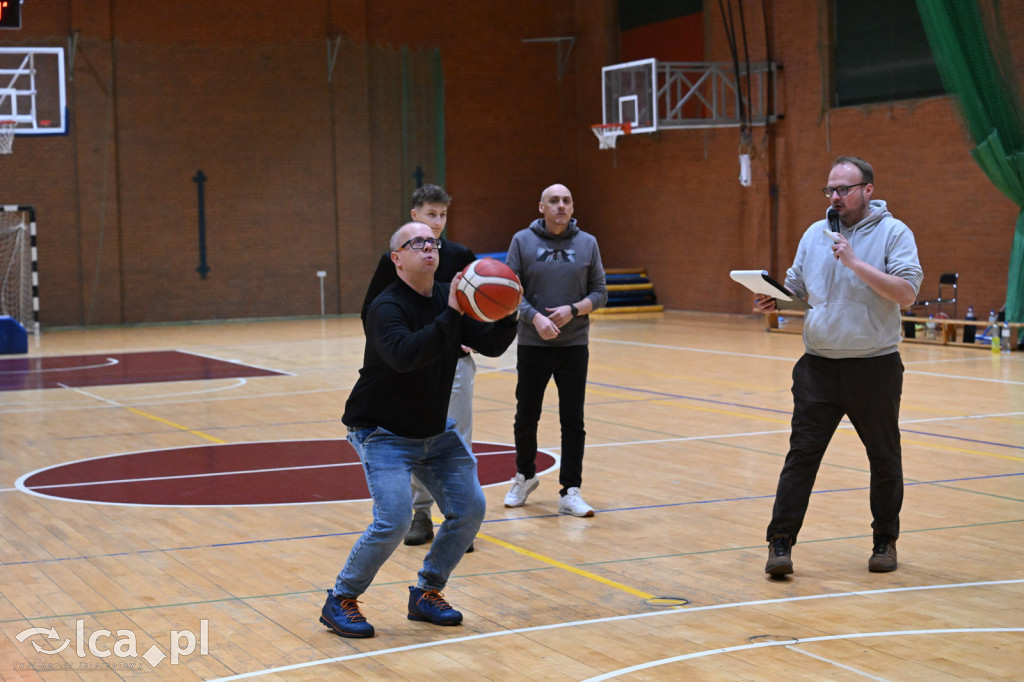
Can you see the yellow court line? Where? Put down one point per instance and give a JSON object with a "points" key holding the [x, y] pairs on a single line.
{"points": [[564, 566], [678, 402], [935, 446], [176, 426], [774, 420]]}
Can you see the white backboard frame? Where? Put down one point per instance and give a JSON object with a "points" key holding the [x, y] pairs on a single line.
{"points": [[32, 90], [628, 94]]}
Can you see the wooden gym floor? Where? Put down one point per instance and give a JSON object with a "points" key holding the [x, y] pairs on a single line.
{"points": [[167, 524]]}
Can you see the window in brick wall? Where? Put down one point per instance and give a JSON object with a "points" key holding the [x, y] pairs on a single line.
{"points": [[880, 53]]}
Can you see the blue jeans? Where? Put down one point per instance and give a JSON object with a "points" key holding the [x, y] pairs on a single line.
{"points": [[460, 408], [447, 468]]}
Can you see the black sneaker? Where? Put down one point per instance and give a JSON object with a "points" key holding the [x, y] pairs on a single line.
{"points": [[430, 605], [883, 556], [420, 532], [342, 617], [779, 560]]}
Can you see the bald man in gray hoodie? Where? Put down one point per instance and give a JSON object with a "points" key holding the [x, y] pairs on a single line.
{"points": [[563, 281]]}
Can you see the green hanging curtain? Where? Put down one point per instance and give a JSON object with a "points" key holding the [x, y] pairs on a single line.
{"points": [[977, 68]]}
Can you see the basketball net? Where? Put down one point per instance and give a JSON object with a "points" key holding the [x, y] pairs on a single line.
{"points": [[6, 137], [608, 133]]}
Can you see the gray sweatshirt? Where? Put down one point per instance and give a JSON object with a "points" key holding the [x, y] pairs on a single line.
{"points": [[848, 318], [556, 270]]}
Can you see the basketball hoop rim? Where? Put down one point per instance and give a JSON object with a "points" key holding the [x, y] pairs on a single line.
{"points": [[608, 133], [625, 127]]}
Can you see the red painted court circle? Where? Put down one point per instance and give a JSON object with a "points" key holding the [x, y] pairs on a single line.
{"points": [[282, 472]]}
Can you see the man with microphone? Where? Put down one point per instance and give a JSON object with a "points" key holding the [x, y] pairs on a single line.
{"points": [[855, 268]]}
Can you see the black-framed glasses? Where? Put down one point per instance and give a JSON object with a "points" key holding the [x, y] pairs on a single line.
{"points": [[418, 243], [842, 190]]}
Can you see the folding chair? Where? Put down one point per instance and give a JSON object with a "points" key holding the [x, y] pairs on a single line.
{"points": [[947, 281]]}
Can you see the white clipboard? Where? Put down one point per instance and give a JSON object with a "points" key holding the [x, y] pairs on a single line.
{"points": [[760, 282]]}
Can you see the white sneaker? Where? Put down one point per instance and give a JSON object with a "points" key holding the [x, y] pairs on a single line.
{"points": [[572, 503], [520, 490]]}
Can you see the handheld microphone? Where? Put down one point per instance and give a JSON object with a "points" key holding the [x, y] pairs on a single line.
{"points": [[833, 229], [832, 215]]}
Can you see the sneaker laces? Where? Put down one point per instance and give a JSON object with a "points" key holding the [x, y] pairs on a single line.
{"points": [[881, 547], [436, 599], [350, 608], [780, 546]]}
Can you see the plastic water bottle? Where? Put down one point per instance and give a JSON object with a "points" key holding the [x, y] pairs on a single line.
{"points": [[930, 329], [969, 329], [1004, 339], [994, 339], [991, 328]]}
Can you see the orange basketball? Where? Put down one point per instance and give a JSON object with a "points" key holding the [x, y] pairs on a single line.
{"points": [[488, 290]]}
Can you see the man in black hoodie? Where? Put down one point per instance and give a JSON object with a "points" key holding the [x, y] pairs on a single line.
{"points": [[397, 423]]}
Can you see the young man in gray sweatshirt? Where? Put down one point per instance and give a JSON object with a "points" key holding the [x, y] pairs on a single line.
{"points": [[856, 268]]}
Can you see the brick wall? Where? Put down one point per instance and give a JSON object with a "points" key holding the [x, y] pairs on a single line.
{"points": [[240, 91]]}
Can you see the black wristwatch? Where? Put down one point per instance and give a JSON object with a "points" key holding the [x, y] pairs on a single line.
{"points": [[574, 310]]}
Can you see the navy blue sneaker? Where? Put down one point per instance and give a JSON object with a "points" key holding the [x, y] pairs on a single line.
{"points": [[430, 605], [342, 617]]}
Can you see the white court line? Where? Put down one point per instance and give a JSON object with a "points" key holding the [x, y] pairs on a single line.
{"points": [[177, 477], [959, 417], [234, 472], [144, 402], [787, 644], [243, 363], [239, 382], [19, 485], [966, 378], [794, 359], [109, 363], [976, 359], [837, 664], [696, 350], [682, 439], [548, 450], [611, 619]]}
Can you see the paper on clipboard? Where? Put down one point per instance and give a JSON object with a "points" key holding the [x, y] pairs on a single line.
{"points": [[760, 282]]}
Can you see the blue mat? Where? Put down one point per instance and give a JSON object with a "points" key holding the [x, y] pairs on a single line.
{"points": [[13, 337]]}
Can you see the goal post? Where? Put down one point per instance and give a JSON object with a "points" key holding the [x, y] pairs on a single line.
{"points": [[19, 274]]}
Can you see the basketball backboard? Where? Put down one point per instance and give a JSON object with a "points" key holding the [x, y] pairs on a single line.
{"points": [[628, 93], [32, 92]]}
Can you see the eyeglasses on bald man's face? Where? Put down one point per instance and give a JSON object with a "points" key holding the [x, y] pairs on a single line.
{"points": [[417, 243]]}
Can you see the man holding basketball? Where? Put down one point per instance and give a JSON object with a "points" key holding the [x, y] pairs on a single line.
{"points": [[563, 281], [855, 276], [397, 423], [430, 207]]}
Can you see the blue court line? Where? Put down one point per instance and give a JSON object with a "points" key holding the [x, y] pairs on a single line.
{"points": [[961, 438], [787, 412], [321, 536], [676, 396]]}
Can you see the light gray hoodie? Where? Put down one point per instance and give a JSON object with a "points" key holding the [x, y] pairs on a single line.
{"points": [[848, 319]]}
